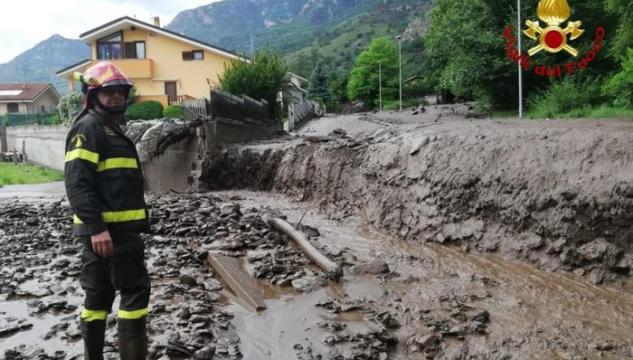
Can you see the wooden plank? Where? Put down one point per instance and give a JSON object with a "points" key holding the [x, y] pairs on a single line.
{"points": [[243, 285]]}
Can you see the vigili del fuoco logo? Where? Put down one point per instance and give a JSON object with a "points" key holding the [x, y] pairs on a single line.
{"points": [[553, 38]]}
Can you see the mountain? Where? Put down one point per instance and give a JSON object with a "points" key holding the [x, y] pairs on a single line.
{"points": [[232, 23], [338, 29], [40, 63]]}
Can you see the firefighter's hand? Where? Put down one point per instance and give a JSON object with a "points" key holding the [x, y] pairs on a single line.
{"points": [[102, 244]]}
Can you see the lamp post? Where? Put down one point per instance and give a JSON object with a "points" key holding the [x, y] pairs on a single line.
{"points": [[399, 38], [380, 85]]}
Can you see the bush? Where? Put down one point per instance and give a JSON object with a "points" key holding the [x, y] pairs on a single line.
{"points": [[620, 87], [567, 98], [174, 112], [52, 120], [69, 107], [146, 110], [261, 78], [607, 112]]}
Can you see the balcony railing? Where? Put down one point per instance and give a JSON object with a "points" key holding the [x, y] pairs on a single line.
{"points": [[180, 99]]}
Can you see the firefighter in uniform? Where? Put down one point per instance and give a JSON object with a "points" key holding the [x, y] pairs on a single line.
{"points": [[104, 185]]}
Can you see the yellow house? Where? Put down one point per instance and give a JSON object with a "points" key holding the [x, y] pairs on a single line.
{"points": [[164, 65]]}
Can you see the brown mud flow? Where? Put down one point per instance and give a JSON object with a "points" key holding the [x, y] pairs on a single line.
{"points": [[559, 196], [459, 240]]}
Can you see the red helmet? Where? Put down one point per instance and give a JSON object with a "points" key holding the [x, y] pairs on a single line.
{"points": [[100, 75]]}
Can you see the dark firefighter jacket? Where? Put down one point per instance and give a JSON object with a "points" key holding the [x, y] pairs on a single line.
{"points": [[103, 178]]}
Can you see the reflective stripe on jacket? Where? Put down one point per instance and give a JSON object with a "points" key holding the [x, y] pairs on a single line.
{"points": [[103, 178]]}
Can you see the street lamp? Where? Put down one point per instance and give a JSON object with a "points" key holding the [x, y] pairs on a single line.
{"points": [[380, 85], [399, 38]]}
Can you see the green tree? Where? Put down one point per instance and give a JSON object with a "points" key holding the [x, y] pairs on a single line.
{"points": [[69, 107], [623, 11], [338, 86], [305, 62], [364, 78], [318, 88], [465, 52], [620, 86], [261, 78]]}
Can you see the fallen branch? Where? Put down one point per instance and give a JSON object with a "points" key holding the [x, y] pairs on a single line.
{"points": [[333, 270]]}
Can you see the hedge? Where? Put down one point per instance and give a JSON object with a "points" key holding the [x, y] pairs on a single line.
{"points": [[173, 112], [146, 110]]}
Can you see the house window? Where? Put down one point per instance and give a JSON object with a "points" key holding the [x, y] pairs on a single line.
{"points": [[193, 55], [13, 108], [135, 50], [110, 47], [42, 109]]}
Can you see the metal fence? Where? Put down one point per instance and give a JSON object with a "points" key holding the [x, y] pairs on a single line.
{"points": [[29, 119], [241, 108], [193, 109]]}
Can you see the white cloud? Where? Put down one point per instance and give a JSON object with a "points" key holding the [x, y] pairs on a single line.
{"points": [[24, 23]]}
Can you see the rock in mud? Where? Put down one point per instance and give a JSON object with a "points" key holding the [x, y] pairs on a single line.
{"points": [[309, 283], [11, 326], [597, 250], [374, 267]]}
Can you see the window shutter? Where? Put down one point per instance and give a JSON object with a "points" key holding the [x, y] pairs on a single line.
{"points": [[187, 55]]}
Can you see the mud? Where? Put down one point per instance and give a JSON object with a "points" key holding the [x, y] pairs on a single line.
{"points": [[557, 195], [191, 313], [441, 302], [433, 302], [428, 216]]}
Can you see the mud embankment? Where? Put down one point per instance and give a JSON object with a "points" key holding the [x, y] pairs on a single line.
{"points": [[560, 197]]}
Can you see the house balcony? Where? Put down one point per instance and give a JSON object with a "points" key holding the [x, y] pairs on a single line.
{"points": [[135, 68]]}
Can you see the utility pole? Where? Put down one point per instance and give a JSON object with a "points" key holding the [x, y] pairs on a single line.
{"points": [[520, 60], [399, 38], [380, 85]]}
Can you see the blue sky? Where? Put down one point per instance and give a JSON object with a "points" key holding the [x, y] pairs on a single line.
{"points": [[24, 23]]}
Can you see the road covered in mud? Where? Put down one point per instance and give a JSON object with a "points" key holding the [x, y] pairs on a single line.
{"points": [[396, 300], [457, 239]]}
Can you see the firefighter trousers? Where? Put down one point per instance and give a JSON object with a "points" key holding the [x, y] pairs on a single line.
{"points": [[124, 271]]}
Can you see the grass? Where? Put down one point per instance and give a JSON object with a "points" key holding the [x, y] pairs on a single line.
{"points": [[585, 112], [12, 174]]}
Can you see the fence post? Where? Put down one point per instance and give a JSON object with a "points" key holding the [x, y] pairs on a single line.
{"points": [[3, 138]]}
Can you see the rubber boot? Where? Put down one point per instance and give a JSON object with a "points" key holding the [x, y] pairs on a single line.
{"points": [[93, 334], [132, 339]]}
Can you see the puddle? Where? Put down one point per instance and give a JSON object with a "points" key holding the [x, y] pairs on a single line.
{"points": [[34, 336]]}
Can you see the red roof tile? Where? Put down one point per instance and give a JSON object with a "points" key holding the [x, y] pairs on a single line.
{"points": [[28, 91]]}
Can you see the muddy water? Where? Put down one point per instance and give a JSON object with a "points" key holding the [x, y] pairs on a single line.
{"points": [[289, 320], [534, 314]]}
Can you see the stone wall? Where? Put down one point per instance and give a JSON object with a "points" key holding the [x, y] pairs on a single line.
{"points": [[299, 113]]}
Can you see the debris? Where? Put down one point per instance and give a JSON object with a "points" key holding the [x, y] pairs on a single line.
{"points": [[243, 285], [321, 260], [374, 267]]}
